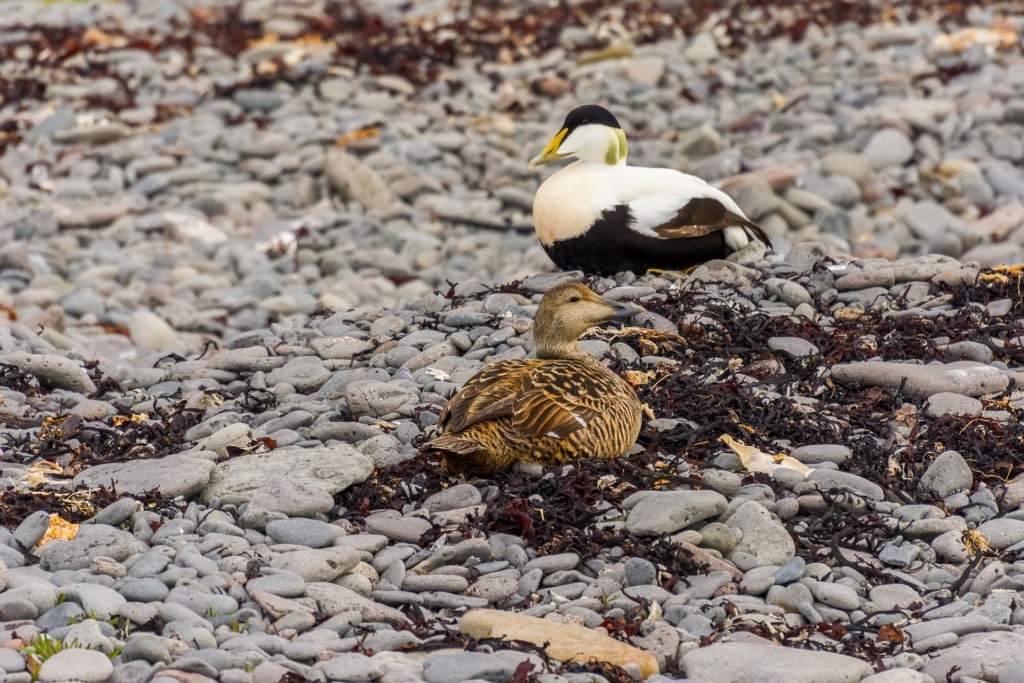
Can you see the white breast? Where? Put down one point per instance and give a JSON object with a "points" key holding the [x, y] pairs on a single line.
{"points": [[569, 202]]}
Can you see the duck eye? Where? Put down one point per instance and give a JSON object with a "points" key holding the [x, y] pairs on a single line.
{"points": [[574, 298]]}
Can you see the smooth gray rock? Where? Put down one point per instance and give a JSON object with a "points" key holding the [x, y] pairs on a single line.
{"points": [[98, 601], [972, 622], [352, 666], [116, 513], [756, 663], [54, 372], [663, 512], [464, 666], [355, 180], [640, 572], [334, 599], [793, 293], [495, 588], [11, 661], [893, 595], [332, 468], [793, 347], [814, 454], [453, 498], [948, 403], [981, 656], [803, 256], [828, 479], [888, 147], [143, 590], [92, 540], [311, 533], [280, 582], [173, 476], [1012, 671], [377, 399], [279, 498], [202, 603], [305, 373], [32, 528], [759, 535], [946, 475], [835, 595], [324, 564], [963, 377], [898, 675], [396, 527], [724, 272], [421, 583], [76, 664], [1002, 532], [558, 562]]}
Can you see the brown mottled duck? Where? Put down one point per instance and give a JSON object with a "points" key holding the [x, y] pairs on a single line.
{"points": [[599, 215], [562, 405]]}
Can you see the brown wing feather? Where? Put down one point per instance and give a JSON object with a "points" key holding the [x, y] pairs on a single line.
{"points": [[546, 407], [538, 415], [488, 395], [519, 392], [702, 216]]}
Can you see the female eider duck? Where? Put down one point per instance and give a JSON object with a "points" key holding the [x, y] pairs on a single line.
{"points": [[600, 216], [562, 405]]}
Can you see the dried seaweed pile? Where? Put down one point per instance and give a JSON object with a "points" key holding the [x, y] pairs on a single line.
{"points": [[731, 382], [57, 445], [555, 512], [422, 50]]}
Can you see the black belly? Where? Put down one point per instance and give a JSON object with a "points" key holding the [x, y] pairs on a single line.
{"points": [[610, 247]]}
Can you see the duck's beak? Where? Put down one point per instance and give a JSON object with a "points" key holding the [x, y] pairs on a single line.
{"points": [[550, 152], [622, 310]]}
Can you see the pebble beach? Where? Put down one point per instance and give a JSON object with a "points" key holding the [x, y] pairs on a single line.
{"points": [[249, 249]]}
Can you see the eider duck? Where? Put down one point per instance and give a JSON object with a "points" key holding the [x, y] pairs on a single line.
{"points": [[601, 216], [562, 405]]}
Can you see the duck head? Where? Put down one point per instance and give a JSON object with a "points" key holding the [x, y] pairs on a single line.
{"points": [[566, 312], [589, 133]]}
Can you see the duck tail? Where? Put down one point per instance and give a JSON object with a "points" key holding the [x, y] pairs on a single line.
{"points": [[464, 456], [451, 445], [757, 232]]}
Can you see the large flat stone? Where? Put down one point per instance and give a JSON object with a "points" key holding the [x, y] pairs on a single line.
{"points": [[963, 377], [175, 475], [756, 663], [333, 468]]}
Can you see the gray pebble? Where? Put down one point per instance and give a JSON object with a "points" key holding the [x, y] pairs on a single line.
{"points": [[639, 572], [310, 533], [947, 474], [793, 347], [464, 666], [657, 513], [143, 590], [963, 377], [396, 527], [351, 666], [949, 403]]}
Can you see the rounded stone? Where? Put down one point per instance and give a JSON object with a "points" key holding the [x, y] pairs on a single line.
{"points": [[76, 664]]}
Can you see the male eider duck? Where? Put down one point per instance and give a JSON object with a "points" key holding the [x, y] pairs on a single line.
{"points": [[562, 405], [600, 216]]}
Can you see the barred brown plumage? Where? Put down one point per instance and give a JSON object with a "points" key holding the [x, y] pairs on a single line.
{"points": [[560, 406]]}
